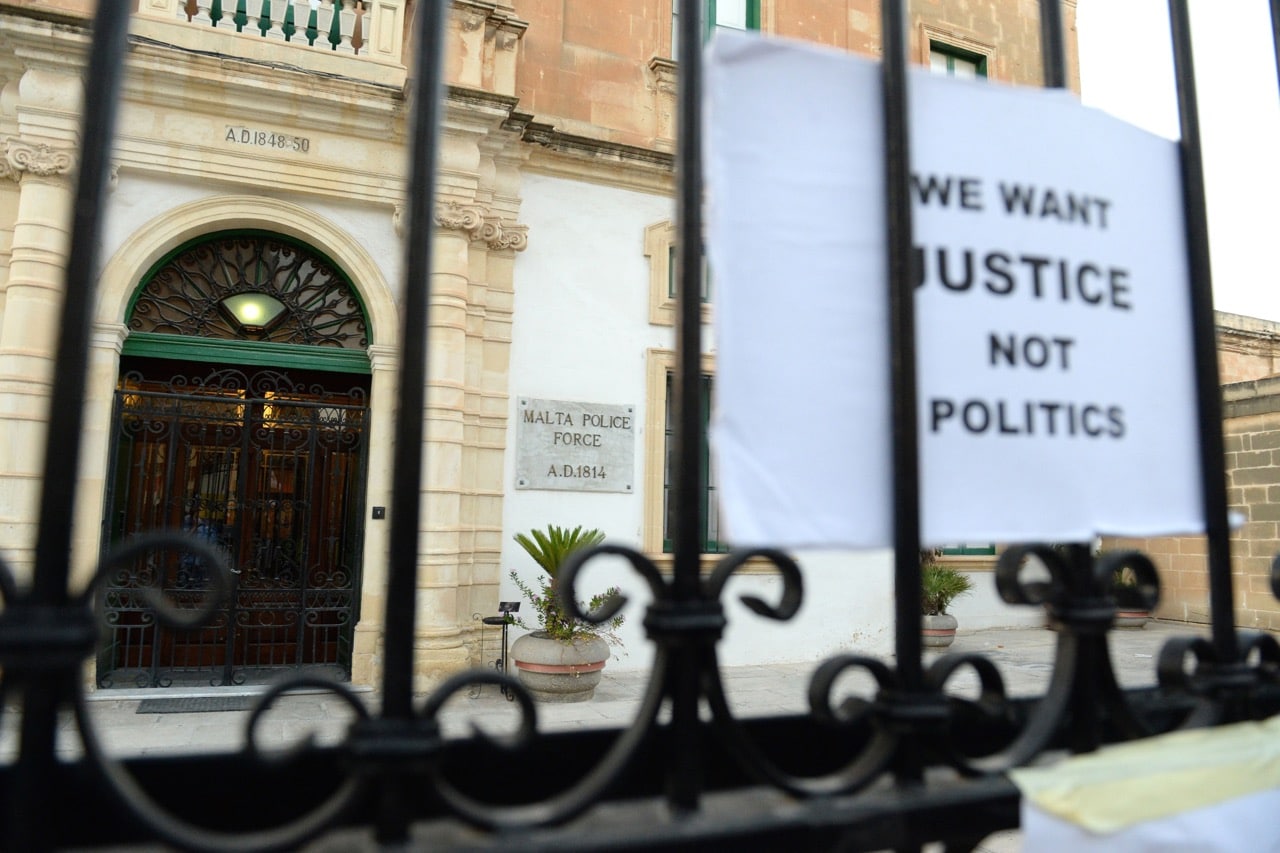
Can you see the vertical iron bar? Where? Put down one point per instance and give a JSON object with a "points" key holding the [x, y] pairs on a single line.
{"points": [[402, 570], [1084, 732], [684, 781], [31, 802], [1208, 389], [1053, 45], [687, 539], [1275, 33], [902, 342]]}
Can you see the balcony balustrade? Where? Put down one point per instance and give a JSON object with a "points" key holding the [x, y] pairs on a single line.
{"points": [[370, 29]]}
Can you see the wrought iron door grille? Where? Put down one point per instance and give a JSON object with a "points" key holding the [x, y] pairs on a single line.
{"points": [[907, 765], [268, 471]]}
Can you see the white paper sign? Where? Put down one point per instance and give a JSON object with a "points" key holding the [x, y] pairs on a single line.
{"points": [[1055, 376]]}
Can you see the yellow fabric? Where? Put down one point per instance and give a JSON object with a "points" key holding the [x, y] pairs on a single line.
{"points": [[1153, 778]]}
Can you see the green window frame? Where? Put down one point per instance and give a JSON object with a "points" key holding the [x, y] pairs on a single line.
{"points": [[718, 14], [969, 550], [951, 61], [708, 508]]}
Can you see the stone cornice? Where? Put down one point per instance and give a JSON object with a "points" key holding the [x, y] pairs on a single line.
{"points": [[548, 137], [1248, 335], [582, 158], [1254, 397], [45, 161], [498, 104], [184, 79]]}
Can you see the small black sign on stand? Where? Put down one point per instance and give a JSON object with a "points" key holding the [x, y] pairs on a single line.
{"points": [[505, 609]]}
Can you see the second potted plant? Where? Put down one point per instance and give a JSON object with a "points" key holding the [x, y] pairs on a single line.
{"points": [[1129, 614], [563, 658], [940, 586]]}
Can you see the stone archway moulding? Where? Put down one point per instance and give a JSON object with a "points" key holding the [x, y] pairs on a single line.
{"points": [[148, 243], [120, 277]]}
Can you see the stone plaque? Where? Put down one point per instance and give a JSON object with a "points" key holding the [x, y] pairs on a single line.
{"points": [[581, 447]]}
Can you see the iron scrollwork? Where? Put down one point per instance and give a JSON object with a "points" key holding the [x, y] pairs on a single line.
{"points": [[46, 634], [1080, 611]]}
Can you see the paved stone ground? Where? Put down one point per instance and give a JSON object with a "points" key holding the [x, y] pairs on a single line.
{"points": [[1024, 657]]}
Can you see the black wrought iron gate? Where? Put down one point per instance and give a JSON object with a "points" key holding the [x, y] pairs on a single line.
{"points": [[911, 764], [269, 470]]}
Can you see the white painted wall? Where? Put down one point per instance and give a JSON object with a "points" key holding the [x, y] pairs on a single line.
{"points": [[581, 331], [982, 608]]}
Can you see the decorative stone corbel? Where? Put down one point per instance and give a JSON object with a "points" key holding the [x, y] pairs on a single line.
{"points": [[664, 74], [507, 31]]}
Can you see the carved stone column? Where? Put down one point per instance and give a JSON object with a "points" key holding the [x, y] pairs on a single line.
{"points": [[440, 646], [366, 654], [461, 524], [29, 332]]}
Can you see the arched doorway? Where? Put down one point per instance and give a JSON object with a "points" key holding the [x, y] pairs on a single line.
{"points": [[241, 415]]}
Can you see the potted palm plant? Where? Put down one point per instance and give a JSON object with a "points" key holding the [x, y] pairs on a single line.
{"points": [[940, 586], [562, 659], [1130, 613]]}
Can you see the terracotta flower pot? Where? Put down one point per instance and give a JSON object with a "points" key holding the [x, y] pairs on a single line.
{"points": [[938, 630], [556, 671], [1132, 618]]}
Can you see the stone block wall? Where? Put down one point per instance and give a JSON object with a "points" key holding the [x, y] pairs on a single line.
{"points": [[1251, 424], [1184, 582]]}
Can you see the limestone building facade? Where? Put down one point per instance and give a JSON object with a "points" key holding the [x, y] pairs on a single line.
{"points": [[247, 322], [1249, 364]]}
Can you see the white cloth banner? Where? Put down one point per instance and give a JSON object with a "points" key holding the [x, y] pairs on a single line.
{"points": [[1199, 790], [1055, 375], [1246, 824]]}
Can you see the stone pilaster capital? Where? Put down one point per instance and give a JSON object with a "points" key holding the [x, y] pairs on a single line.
{"points": [[478, 223], [482, 226], [28, 158], [460, 217], [498, 234]]}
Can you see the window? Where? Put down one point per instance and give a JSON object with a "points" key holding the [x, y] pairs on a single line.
{"points": [[659, 247], [718, 15], [954, 53], [659, 449], [708, 506], [953, 62]]}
